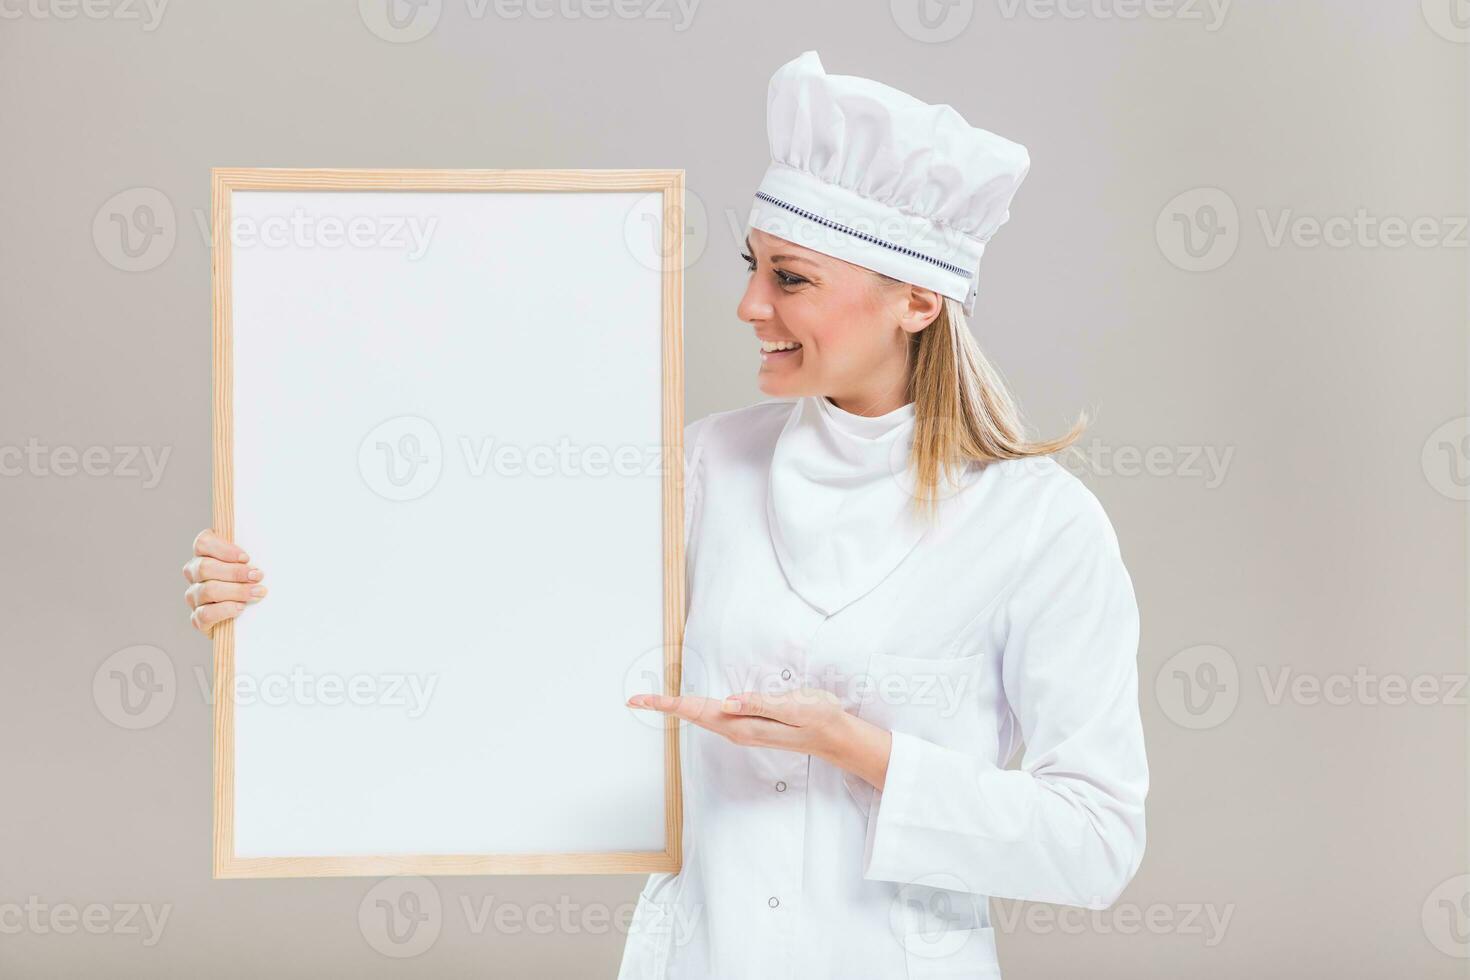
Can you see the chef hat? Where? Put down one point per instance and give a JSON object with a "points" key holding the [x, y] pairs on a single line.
{"points": [[873, 176]]}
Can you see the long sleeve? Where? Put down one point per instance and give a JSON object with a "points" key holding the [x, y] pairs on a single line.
{"points": [[1068, 826]]}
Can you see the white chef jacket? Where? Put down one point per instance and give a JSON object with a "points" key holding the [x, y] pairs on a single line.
{"points": [[1012, 619]]}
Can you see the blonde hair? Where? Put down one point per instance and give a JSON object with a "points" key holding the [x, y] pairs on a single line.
{"points": [[963, 411]]}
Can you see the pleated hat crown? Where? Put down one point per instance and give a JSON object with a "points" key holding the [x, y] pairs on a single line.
{"points": [[871, 175]]}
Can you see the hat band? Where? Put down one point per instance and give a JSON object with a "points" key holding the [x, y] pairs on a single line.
{"points": [[806, 210], [871, 239]]}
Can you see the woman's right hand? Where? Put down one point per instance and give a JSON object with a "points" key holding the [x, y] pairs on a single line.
{"points": [[221, 581]]}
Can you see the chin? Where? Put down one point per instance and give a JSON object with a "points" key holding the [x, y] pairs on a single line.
{"points": [[785, 381], [775, 387]]}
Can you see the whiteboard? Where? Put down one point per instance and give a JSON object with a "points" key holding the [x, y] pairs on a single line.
{"points": [[447, 425]]}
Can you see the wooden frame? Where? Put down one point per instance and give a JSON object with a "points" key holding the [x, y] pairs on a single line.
{"points": [[670, 183]]}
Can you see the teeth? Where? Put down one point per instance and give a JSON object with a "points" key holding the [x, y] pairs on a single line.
{"points": [[774, 345]]}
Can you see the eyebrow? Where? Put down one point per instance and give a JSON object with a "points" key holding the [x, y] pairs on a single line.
{"points": [[778, 258]]}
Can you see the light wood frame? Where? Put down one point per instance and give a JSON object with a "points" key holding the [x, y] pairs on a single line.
{"points": [[670, 183]]}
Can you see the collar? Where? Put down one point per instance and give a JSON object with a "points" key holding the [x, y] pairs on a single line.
{"points": [[838, 508]]}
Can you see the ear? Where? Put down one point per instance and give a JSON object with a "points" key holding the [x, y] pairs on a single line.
{"points": [[920, 308]]}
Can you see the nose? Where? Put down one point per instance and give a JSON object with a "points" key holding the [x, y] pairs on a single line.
{"points": [[755, 305]]}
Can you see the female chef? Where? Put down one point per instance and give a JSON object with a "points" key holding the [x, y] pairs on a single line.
{"points": [[890, 589]]}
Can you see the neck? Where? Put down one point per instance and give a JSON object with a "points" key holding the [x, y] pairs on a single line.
{"points": [[869, 403], [885, 389]]}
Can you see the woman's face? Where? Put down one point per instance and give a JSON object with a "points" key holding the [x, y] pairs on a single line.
{"points": [[851, 329]]}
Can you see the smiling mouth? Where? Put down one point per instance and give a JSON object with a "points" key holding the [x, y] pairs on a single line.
{"points": [[778, 349]]}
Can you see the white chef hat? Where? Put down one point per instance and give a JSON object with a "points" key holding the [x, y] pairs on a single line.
{"points": [[871, 175]]}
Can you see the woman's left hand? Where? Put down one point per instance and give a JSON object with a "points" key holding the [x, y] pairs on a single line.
{"points": [[806, 720]]}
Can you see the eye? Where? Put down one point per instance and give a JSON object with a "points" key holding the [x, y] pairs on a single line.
{"points": [[783, 278]]}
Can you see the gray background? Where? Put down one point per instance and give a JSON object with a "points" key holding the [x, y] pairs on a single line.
{"points": [[1330, 543]]}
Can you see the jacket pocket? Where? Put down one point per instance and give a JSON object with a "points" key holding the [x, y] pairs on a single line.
{"points": [[952, 953], [934, 698], [945, 931], [651, 930]]}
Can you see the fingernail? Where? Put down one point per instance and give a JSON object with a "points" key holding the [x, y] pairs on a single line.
{"points": [[731, 704], [257, 591], [242, 557], [633, 702], [254, 575]]}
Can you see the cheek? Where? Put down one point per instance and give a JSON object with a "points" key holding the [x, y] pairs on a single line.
{"points": [[843, 334], [826, 338]]}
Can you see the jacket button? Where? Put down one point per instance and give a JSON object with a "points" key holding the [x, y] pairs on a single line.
{"points": [[786, 675], [773, 902], [781, 786]]}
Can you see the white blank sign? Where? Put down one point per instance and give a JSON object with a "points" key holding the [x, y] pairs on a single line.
{"points": [[447, 425]]}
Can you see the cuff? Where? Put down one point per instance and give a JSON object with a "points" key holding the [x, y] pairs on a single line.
{"points": [[890, 811]]}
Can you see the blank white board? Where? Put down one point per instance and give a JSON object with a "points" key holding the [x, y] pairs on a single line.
{"points": [[447, 427]]}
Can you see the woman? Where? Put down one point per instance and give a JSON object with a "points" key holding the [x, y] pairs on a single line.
{"points": [[889, 589]]}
